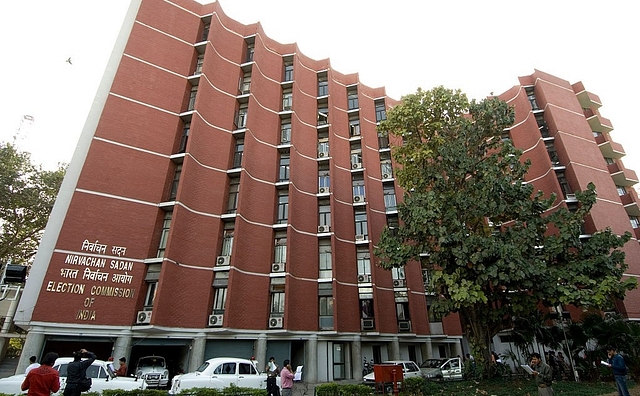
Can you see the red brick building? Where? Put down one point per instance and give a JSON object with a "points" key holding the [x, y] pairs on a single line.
{"points": [[224, 199], [559, 127], [227, 192]]}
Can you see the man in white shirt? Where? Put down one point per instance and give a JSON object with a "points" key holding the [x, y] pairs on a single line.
{"points": [[32, 364]]}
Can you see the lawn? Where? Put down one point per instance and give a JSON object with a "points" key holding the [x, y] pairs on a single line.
{"points": [[521, 387]]}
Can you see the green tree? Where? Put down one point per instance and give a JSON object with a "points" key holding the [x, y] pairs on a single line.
{"points": [[27, 194], [491, 243]]}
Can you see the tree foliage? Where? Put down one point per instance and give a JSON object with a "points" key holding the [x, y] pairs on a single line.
{"points": [[27, 194], [484, 234]]}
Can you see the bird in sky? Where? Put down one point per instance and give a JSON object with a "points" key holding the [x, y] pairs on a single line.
{"points": [[69, 61]]}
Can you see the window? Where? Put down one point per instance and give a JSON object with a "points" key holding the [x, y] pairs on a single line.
{"points": [[250, 50], [386, 169], [609, 160], [151, 294], [381, 112], [426, 279], [199, 63], [635, 223], [219, 299], [205, 32], [227, 243], [323, 180], [234, 189], [366, 309], [389, 195], [323, 115], [553, 155], [358, 188], [287, 100], [245, 83], [192, 98], [352, 98], [237, 153], [283, 207], [383, 141], [402, 310], [397, 273], [325, 311], [324, 214], [542, 125], [164, 234], [356, 155], [288, 71], [323, 85], [325, 263], [176, 181], [363, 262], [277, 296], [433, 318], [285, 131], [564, 184], [323, 148], [532, 98], [185, 136], [280, 249], [361, 224], [283, 173], [354, 127], [241, 116], [621, 190]]}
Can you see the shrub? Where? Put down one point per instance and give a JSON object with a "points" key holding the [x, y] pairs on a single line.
{"points": [[354, 390], [329, 389]]}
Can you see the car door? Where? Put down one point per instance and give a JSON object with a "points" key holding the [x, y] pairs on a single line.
{"points": [[224, 375], [452, 369], [248, 377], [411, 370]]}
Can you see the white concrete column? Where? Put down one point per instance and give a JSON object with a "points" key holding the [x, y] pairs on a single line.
{"points": [[122, 347], [33, 345], [356, 355], [427, 349], [394, 349], [310, 370], [196, 357], [260, 351]]}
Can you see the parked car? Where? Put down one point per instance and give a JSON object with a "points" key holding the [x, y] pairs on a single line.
{"points": [[153, 369], [409, 369], [442, 369], [102, 378], [222, 372]]}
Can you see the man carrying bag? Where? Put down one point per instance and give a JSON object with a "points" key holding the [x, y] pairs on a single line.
{"points": [[77, 381]]}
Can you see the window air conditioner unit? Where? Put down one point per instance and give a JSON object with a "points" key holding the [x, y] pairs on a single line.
{"points": [[404, 325], [358, 198], [215, 320], [223, 260], [323, 228], [359, 237], [386, 176], [277, 267], [356, 165], [367, 324], [275, 322], [143, 317], [322, 154], [364, 278], [399, 283], [324, 190]]}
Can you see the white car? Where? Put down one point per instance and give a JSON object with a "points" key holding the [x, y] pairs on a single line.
{"points": [[220, 373], [101, 377], [409, 369], [442, 369], [153, 370]]}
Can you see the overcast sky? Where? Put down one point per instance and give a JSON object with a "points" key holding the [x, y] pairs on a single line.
{"points": [[480, 47]]}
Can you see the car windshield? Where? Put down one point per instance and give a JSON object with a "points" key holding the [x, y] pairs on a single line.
{"points": [[93, 371], [432, 363], [202, 367], [151, 362]]}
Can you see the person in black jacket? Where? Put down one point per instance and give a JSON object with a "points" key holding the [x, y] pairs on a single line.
{"points": [[77, 370]]}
